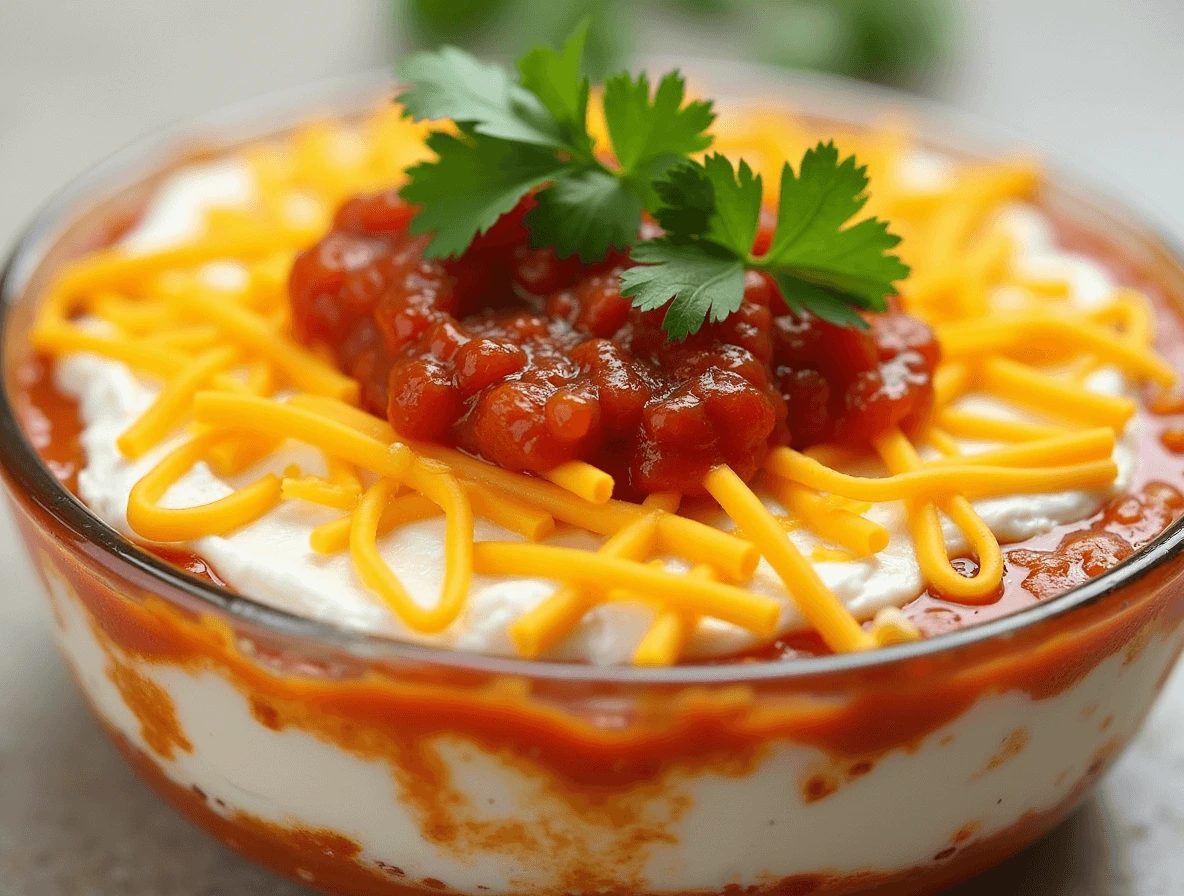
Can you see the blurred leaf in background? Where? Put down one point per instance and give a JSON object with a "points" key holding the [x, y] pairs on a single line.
{"points": [[507, 28], [890, 41], [438, 21]]}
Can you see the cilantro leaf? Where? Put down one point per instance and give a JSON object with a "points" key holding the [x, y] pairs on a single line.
{"points": [[450, 83], [588, 207], [713, 201], [701, 281], [515, 137], [585, 214], [819, 301], [711, 212], [686, 200], [648, 136], [811, 241], [473, 181], [737, 211], [556, 79]]}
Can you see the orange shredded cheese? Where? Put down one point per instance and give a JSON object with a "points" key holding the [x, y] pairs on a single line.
{"points": [[668, 635], [318, 491], [1028, 388], [824, 611], [734, 558], [333, 537], [172, 404], [287, 420], [589, 482], [304, 369], [540, 629], [1070, 448], [979, 338], [439, 487], [929, 540], [991, 429], [508, 512], [853, 532], [155, 523], [950, 381], [591, 570], [964, 478], [221, 355], [891, 626]]}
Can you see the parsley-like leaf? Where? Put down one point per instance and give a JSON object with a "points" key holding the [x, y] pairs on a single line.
{"points": [[712, 212], [737, 211], [819, 301], [473, 181], [585, 214], [686, 199], [556, 79], [518, 137], [713, 201], [535, 131], [450, 83], [648, 136], [811, 241], [700, 280]]}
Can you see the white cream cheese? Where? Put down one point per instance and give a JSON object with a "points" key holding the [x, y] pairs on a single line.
{"points": [[271, 561]]}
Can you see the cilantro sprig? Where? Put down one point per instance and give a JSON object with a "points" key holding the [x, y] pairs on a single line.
{"points": [[820, 262], [517, 135], [529, 134]]}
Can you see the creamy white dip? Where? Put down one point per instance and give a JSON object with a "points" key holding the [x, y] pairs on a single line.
{"points": [[271, 561]]}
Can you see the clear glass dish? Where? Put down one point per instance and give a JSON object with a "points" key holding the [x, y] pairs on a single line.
{"points": [[361, 765]]}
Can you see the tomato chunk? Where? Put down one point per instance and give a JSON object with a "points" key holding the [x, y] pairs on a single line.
{"points": [[530, 360]]}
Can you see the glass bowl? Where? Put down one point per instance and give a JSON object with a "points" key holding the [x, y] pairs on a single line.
{"points": [[364, 766]]}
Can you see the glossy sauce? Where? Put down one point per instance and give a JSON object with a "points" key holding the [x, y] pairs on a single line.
{"points": [[1037, 569], [530, 361]]}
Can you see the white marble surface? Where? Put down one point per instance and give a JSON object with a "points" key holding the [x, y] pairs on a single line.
{"points": [[1097, 81]]}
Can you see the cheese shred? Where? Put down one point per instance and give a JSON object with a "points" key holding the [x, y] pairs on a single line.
{"points": [[235, 385]]}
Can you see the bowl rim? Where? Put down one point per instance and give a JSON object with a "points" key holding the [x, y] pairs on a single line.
{"points": [[838, 99]]}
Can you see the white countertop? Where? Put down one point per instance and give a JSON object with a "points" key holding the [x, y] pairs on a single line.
{"points": [[1094, 80]]}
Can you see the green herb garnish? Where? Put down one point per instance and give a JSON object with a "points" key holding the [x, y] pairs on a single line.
{"points": [[516, 136], [711, 212]]}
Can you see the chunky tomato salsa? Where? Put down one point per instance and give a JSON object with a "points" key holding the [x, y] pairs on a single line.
{"points": [[769, 476], [529, 361]]}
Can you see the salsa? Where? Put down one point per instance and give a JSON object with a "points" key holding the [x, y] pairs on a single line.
{"points": [[352, 282], [529, 361]]}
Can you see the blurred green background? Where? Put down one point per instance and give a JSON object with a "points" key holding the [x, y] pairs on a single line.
{"points": [[898, 42]]}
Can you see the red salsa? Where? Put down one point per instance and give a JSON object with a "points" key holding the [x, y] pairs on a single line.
{"points": [[367, 276], [529, 361]]}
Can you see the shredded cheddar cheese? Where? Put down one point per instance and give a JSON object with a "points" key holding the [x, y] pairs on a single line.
{"points": [[583, 479], [168, 411], [590, 570], [851, 531], [948, 479], [667, 637], [318, 491], [929, 540], [438, 485], [825, 612], [540, 629], [1028, 388], [238, 385], [992, 429], [156, 523]]}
